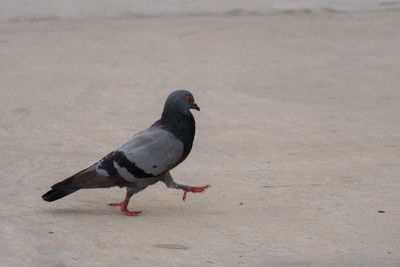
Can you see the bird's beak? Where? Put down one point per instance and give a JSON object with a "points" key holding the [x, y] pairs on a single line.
{"points": [[195, 106]]}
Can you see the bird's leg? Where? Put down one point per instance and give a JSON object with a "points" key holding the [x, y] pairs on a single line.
{"points": [[170, 183], [124, 204]]}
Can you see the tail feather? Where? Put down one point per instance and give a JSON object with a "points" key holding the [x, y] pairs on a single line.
{"points": [[55, 194], [87, 178]]}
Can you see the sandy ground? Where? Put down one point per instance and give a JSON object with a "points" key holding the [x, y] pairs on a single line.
{"points": [[298, 134]]}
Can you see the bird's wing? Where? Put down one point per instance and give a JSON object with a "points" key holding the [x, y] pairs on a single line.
{"points": [[147, 154]]}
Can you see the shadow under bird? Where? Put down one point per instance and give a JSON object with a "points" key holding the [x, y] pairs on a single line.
{"points": [[145, 159]]}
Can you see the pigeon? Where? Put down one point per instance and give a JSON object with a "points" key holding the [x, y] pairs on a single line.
{"points": [[145, 159]]}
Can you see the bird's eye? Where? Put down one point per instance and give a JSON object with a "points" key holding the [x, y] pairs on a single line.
{"points": [[187, 97]]}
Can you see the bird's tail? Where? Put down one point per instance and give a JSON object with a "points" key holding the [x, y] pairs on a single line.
{"points": [[70, 185], [87, 178], [55, 194]]}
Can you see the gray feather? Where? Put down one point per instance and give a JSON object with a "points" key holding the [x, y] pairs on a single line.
{"points": [[153, 150]]}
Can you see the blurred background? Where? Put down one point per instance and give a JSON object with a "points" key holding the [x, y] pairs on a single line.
{"points": [[298, 132], [47, 9]]}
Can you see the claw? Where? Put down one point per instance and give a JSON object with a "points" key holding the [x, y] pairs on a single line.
{"points": [[123, 205], [131, 213], [195, 189]]}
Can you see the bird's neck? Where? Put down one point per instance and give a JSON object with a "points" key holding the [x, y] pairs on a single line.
{"points": [[182, 126]]}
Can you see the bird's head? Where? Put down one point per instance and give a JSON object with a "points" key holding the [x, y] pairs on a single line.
{"points": [[180, 101]]}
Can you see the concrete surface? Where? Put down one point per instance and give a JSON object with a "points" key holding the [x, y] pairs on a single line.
{"points": [[20, 10], [298, 134]]}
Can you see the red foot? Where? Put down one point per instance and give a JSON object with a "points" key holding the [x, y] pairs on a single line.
{"points": [[131, 213], [195, 189], [123, 206]]}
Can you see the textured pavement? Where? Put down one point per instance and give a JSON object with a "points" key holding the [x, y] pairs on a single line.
{"points": [[298, 134]]}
